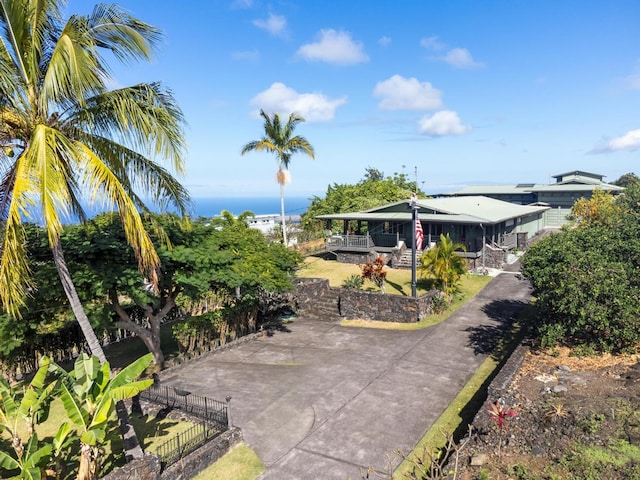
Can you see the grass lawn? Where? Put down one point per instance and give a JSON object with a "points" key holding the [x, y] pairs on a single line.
{"points": [[239, 463], [398, 283], [398, 280]]}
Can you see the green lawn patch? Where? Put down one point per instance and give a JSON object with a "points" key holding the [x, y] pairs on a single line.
{"points": [[398, 280], [239, 463]]}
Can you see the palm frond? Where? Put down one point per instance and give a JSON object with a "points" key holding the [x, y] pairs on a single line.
{"points": [[103, 180], [144, 117], [14, 270], [51, 156], [124, 35], [74, 71], [140, 175]]}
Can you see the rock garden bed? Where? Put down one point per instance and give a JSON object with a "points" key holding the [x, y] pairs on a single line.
{"points": [[575, 418]]}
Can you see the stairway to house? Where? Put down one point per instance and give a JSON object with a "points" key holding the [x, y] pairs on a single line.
{"points": [[405, 259]]}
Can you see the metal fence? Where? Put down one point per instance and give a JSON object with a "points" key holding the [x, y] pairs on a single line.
{"points": [[204, 408], [186, 442]]}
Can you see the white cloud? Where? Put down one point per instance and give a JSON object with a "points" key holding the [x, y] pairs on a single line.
{"points": [[276, 24], [334, 47], [314, 107], [399, 93], [456, 57], [629, 141], [460, 58], [248, 55], [633, 81], [445, 122], [432, 43], [384, 41]]}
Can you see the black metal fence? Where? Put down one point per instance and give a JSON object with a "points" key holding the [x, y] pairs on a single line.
{"points": [[207, 409], [186, 442]]}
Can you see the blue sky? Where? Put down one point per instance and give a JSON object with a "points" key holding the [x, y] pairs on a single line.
{"points": [[469, 92]]}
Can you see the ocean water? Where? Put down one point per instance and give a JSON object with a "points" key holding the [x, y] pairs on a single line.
{"points": [[210, 207]]}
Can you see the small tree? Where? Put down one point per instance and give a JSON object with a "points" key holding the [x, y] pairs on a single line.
{"points": [[375, 271], [600, 209], [443, 264]]}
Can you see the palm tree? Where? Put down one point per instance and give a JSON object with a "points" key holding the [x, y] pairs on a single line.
{"points": [[65, 137], [443, 264], [278, 140]]}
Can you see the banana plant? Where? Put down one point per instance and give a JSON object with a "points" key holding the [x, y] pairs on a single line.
{"points": [[89, 394], [26, 406]]}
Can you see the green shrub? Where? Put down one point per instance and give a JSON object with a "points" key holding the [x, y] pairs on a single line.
{"points": [[355, 281], [439, 303]]}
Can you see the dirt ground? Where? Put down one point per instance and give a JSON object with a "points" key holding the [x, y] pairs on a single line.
{"points": [[575, 418]]}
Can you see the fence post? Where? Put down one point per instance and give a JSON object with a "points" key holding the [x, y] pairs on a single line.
{"points": [[229, 422]]}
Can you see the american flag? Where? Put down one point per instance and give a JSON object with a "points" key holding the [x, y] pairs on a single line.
{"points": [[419, 234]]}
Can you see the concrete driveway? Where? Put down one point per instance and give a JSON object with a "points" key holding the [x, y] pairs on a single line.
{"points": [[319, 401]]}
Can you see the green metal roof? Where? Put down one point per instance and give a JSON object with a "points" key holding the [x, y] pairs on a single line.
{"points": [[576, 180], [579, 173], [493, 190], [577, 187], [468, 210]]}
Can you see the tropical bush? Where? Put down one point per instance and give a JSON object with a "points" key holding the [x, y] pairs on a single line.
{"points": [[443, 265], [88, 393], [585, 278], [376, 272], [355, 281]]}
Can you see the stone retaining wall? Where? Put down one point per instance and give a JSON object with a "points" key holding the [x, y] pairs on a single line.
{"points": [[308, 292], [356, 304], [494, 257]]}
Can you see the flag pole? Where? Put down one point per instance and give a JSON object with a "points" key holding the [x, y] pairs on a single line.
{"points": [[414, 218]]}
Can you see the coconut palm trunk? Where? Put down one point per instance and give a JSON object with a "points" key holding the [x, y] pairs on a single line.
{"points": [[131, 444], [282, 219], [75, 303]]}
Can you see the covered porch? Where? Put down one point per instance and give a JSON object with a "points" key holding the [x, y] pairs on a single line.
{"points": [[498, 227]]}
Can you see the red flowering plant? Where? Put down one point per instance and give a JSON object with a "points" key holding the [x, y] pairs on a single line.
{"points": [[500, 415], [375, 271]]}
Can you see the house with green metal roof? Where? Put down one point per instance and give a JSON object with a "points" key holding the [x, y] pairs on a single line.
{"points": [[489, 228], [559, 195]]}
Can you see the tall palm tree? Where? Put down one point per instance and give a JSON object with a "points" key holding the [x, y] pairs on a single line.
{"points": [[66, 138], [279, 140]]}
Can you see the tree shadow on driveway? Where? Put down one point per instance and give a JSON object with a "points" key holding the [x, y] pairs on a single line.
{"points": [[485, 338]]}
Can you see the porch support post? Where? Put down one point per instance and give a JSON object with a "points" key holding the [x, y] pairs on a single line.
{"points": [[483, 243]]}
